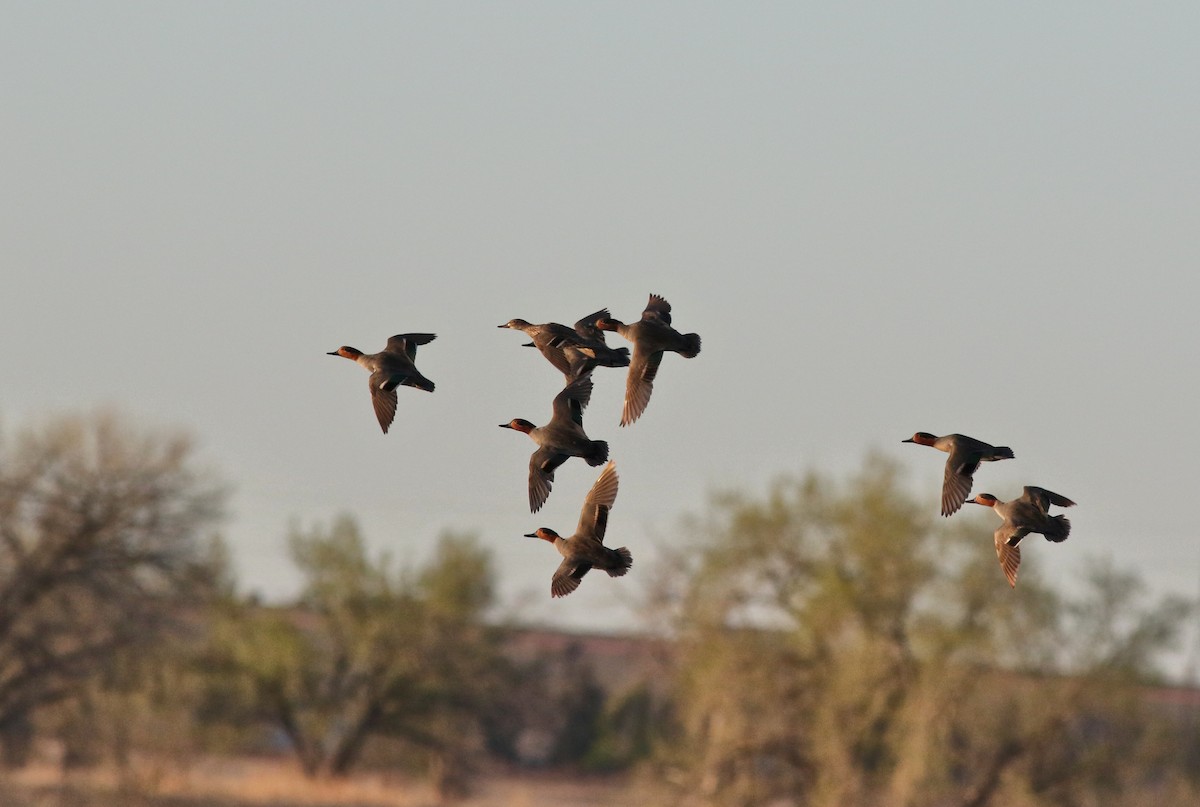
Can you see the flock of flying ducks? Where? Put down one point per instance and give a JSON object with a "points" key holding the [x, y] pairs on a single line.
{"points": [[577, 351], [1027, 513]]}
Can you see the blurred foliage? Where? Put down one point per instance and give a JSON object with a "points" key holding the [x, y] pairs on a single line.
{"points": [[368, 652], [547, 713], [626, 729], [101, 553], [835, 647]]}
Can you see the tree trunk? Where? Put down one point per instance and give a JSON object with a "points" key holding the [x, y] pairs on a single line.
{"points": [[1008, 753], [352, 744]]}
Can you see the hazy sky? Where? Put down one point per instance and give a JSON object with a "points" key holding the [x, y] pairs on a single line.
{"points": [[881, 218]]}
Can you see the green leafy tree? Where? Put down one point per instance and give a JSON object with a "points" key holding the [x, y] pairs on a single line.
{"points": [[368, 652], [838, 648]]}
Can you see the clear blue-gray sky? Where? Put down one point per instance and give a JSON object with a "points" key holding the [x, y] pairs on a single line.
{"points": [[881, 218]]}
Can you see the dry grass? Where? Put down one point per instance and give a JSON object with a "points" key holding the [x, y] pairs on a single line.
{"points": [[277, 783]]}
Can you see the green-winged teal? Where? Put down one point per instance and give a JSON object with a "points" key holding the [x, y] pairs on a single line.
{"points": [[573, 351], [1023, 515], [390, 368], [965, 455], [560, 439], [585, 550], [651, 336]]}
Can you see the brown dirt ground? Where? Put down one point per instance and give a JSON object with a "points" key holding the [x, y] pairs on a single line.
{"points": [[274, 783]]}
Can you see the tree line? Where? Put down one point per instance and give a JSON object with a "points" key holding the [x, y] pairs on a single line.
{"points": [[830, 644]]}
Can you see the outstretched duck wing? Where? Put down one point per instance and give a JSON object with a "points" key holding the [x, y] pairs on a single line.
{"points": [[586, 327], [542, 464], [407, 343], [1009, 556], [1042, 498], [643, 369], [956, 485], [383, 398], [571, 401], [567, 576], [657, 310], [593, 517]]}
